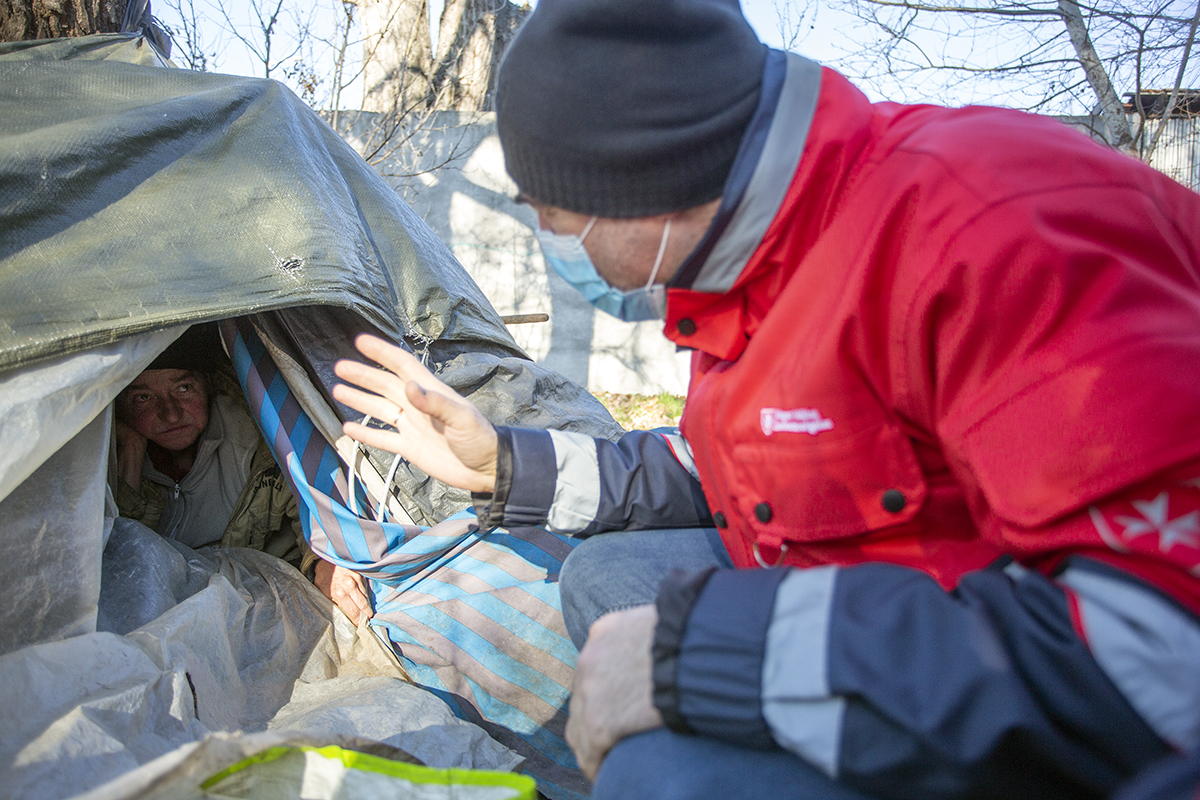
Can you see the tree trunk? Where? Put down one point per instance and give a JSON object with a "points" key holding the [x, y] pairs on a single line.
{"points": [[403, 72], [397, 58], [23, 20], [1166, 116], [1120, 135], [471, 40]]}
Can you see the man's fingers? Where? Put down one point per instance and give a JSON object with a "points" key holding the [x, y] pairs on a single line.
{"points": [[358, 593], [406, 366], [577, 740], [381, 408], [375, 437], [397, 359], [349, 593], [374, 379], [350, 608], [612, 693], [352, 605], [385, 409], [411, 382], [435, 404]]}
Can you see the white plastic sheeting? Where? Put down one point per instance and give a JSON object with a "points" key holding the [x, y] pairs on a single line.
{"points": [[250, 646], [44, 405], [51, 537], [53, 458]]}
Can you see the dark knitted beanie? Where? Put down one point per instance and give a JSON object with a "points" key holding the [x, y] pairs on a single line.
{"points": [[199, 349], [627, 108]]}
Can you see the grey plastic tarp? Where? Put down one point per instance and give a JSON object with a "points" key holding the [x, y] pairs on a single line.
{"points": [[130, 678], [239, 642], [134, 197], [134, 200]]}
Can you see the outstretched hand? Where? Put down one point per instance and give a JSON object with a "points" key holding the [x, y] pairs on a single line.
{"points": [[437, 430]]}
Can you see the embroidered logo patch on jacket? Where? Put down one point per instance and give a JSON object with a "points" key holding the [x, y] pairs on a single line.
{"points": [[793, 420], [1168, 523]]}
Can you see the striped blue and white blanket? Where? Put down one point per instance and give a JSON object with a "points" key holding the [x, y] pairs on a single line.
{"points": [[474, 615]]}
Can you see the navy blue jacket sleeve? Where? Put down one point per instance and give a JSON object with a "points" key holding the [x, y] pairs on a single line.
{"points": [[575, 484], [884, 681]]}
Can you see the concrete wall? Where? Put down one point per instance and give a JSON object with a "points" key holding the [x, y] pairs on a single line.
{"points": [[468, 203]]}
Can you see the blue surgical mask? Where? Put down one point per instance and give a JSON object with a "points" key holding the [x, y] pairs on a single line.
{"points": [[567, 256]]}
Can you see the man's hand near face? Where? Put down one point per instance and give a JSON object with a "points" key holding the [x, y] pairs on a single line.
{"points": [[613, 686], [131, 453]]}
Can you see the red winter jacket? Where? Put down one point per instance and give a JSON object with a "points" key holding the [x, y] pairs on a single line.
{"points": [[933, 358]]}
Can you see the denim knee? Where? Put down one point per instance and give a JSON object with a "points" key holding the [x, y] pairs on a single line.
{"points": [[613, 571]]}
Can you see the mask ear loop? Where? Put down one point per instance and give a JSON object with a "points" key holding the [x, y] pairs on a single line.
{"points": [[662, 249], [587, 229]]}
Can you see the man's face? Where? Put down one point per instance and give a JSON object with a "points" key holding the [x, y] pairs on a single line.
{"points": [[167, 406], [623, 250]]}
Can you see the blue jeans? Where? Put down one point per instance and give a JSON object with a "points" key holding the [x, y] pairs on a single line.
{"points": [[665, 765], [614, 571]]}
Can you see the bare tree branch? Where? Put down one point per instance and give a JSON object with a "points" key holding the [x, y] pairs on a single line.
{"points": [[186, 32], [1187, 52], [1030, 54], [261, 39], [1114, 109]]}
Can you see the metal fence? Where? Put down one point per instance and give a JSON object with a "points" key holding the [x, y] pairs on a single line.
{"points": [[1178, 151]]}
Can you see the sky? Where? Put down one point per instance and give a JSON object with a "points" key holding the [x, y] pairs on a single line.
{"points": [[820, 30], [814, 28]]}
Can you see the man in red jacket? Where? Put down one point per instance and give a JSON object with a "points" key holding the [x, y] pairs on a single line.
{"points": [[945, 378]]}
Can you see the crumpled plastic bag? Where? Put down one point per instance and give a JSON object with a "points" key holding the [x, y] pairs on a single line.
{"points": [[331, 773], [270, 765], [249, 646]]}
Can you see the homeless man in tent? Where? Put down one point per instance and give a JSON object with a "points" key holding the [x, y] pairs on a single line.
{"points": [[472, 614], [192, 465]]}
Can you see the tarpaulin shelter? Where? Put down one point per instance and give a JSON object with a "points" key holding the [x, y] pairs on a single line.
{"points": [[136, 200]]}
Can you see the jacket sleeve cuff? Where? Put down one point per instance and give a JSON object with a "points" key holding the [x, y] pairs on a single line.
{"points": [[489, 506], [675, 599], [525, 480], [708, 653], [308, 564]]}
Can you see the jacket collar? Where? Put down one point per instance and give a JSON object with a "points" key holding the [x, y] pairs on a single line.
{"points": [[726, 286], [760, 176]]}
